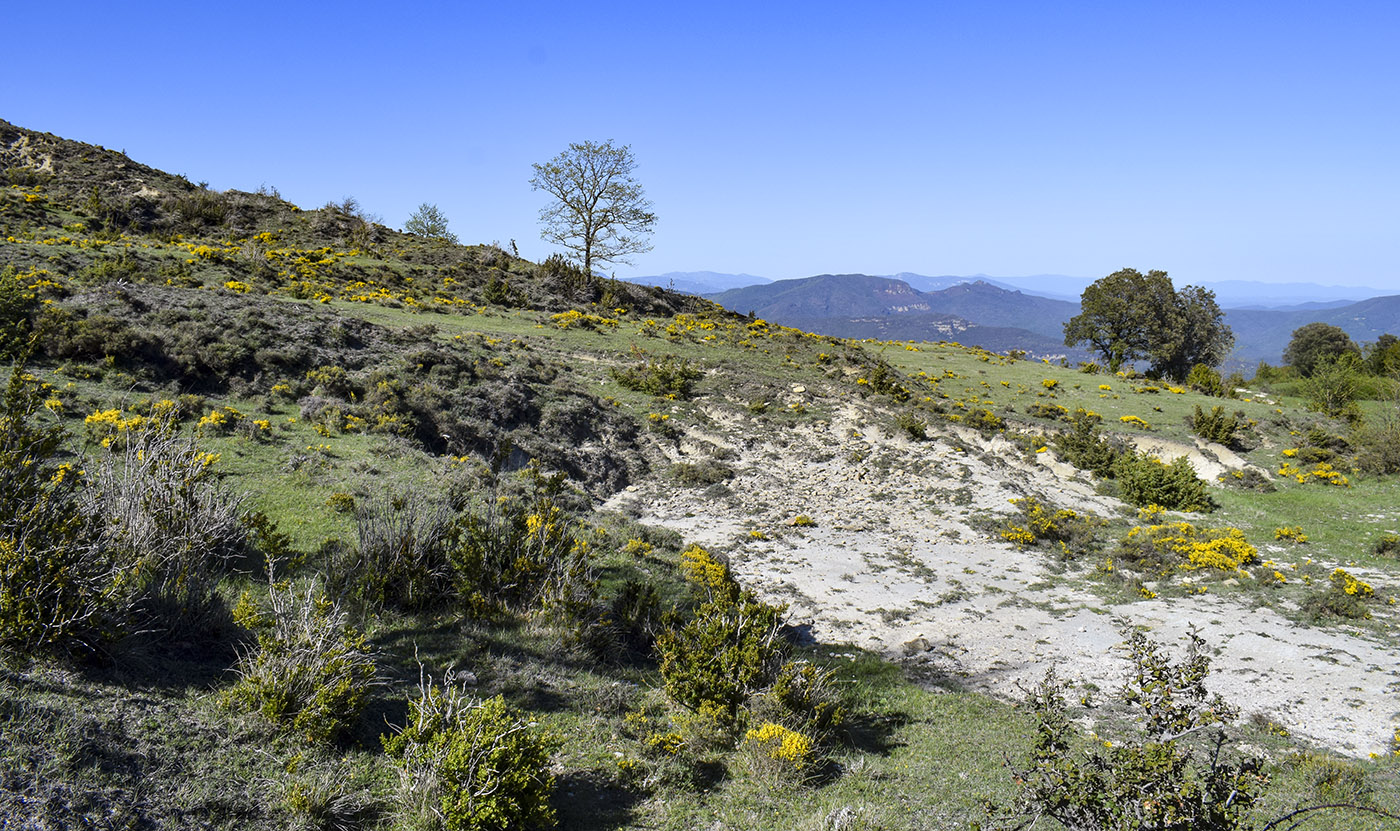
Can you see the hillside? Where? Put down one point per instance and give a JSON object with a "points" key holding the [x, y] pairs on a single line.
{"points": [[825, 296], [302, 514], [1263, 335], [860, 306]]}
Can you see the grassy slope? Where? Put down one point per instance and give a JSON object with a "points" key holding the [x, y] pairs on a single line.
{"points": [[148, 734]]}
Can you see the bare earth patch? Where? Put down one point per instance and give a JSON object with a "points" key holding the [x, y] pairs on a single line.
{"points": [[894, 564]]}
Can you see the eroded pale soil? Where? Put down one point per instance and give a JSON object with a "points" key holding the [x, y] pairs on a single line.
{"points": [[894, 563]]}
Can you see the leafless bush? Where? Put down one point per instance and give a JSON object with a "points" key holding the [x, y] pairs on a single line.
{"points": [[403, 556], [522, 555], [167, 527]]}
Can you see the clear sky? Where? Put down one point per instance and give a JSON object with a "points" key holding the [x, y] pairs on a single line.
{"points": [[1242, 140]]}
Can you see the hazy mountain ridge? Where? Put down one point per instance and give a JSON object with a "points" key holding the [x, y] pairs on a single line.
{"points": [[698, 282], [1262, 335], [1230, 294]]}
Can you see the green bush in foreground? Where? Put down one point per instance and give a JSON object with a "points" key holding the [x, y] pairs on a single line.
{"points": [[728, 650], [1173, 777], [168, 528], [403, 557], [1215, 425], [469, 765], [713, 662], [1147, 480], [312, 672]]}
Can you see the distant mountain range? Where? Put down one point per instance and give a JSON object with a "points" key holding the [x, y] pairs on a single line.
{"points": [[1263, 334], [698, 282], [1000, 318], [1230, 294], [863, 306]]}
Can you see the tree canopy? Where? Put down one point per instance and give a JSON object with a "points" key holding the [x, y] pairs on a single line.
{"points": [[1315, 344], [1131, 316], [1383, 357], [600, 212], [429, 222]]}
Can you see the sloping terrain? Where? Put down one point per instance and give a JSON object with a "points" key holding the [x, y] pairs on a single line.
{"points": [[343, 383], [898, 561]]}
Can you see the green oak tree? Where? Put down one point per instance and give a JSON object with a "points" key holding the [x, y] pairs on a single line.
{"points": [[1383, 356], [1318, 343], [1131, 316]]}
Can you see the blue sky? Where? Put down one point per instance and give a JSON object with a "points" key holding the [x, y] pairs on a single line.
{"points": [[1253, 141]]}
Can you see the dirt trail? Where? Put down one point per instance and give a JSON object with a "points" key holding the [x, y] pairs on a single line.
{"points": [[894, 564]]}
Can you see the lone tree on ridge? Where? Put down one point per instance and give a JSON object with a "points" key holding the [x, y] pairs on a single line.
{"points": [[599, 213], [429, 222]]}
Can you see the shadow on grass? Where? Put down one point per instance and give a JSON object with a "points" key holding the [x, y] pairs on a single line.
{"points": [[506, 657], [874, 733], [926, 674], [587, 800], [198, 660]]}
